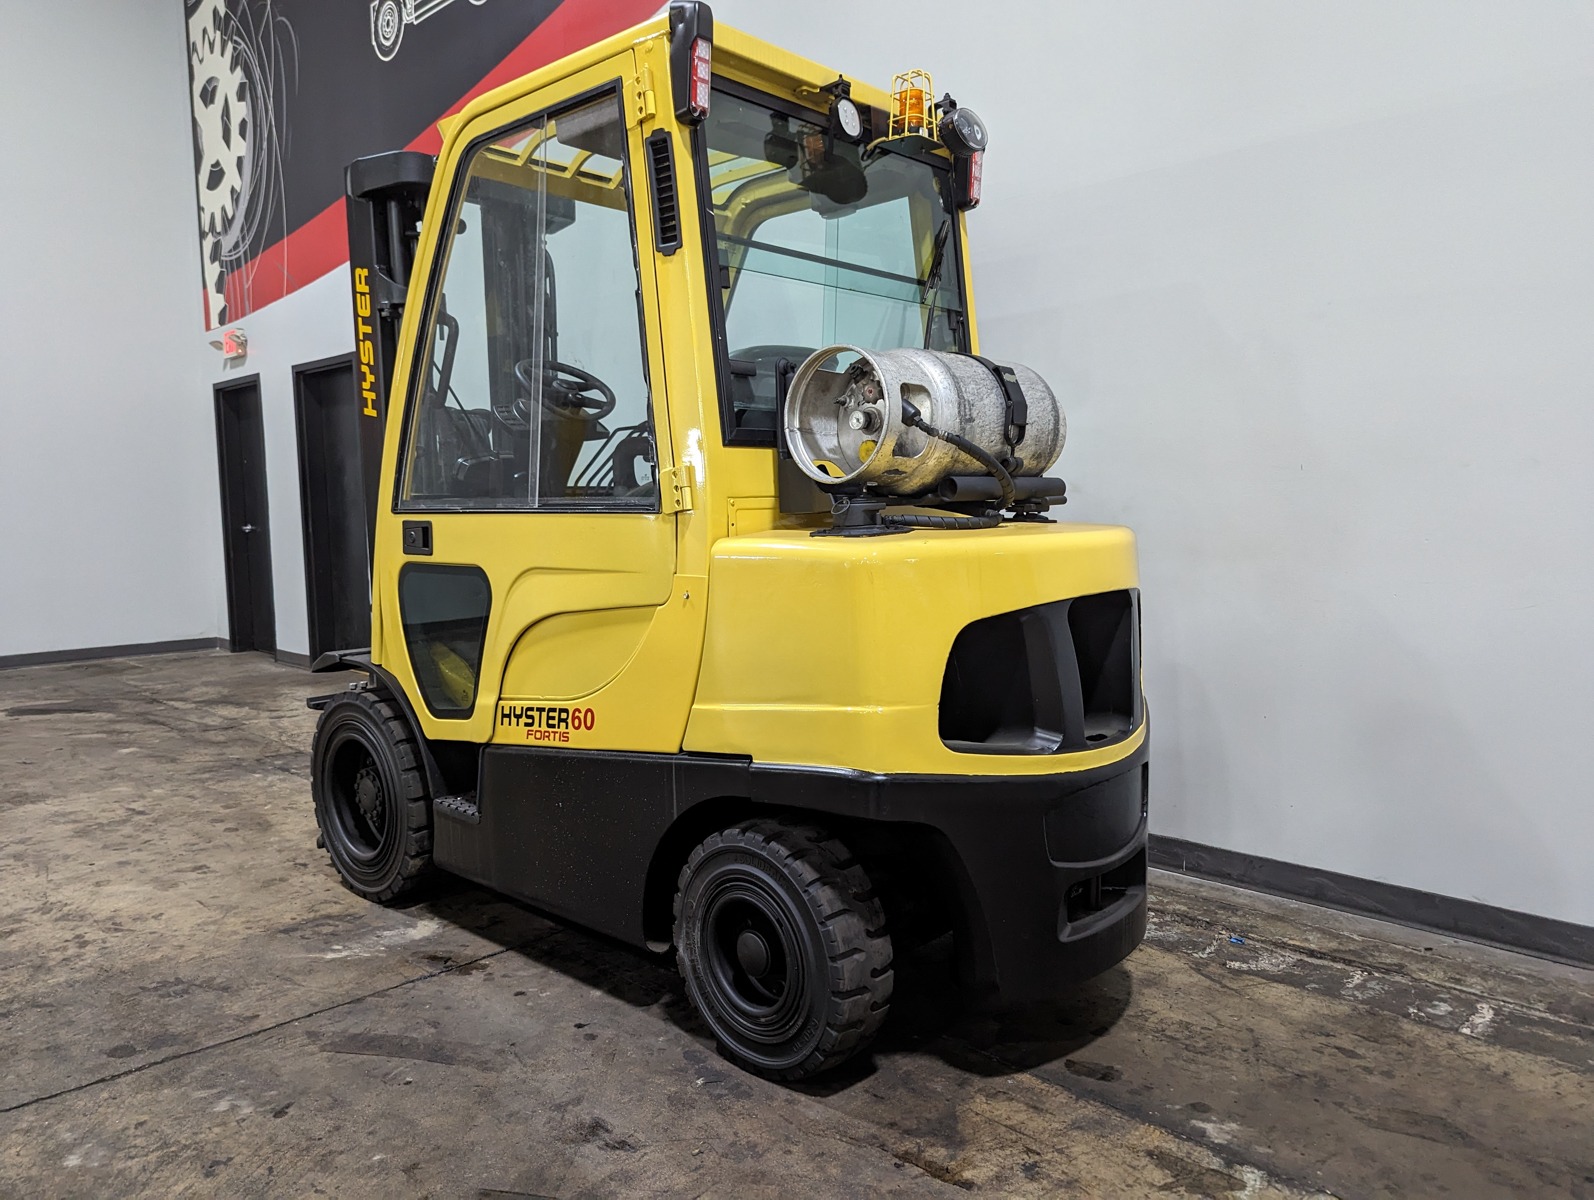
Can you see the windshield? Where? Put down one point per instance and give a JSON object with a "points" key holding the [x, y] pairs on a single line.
{"points": [[819, 244]]}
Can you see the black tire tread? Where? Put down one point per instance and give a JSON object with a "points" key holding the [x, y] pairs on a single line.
{"points": [[417, 863], [851, 922]]}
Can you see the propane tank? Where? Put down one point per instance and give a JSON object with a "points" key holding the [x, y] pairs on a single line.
{"points": [[844, 418]]}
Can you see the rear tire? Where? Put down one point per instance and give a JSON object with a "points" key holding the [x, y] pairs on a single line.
{"points": [[783, 946], [370, 796]]}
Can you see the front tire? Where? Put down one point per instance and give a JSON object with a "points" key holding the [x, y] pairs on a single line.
{"points": [[783, 946], [370, 796]]}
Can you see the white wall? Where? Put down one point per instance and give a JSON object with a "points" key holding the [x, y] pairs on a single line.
{"points": [[313, 323], [107, 443], [1316, 283]]}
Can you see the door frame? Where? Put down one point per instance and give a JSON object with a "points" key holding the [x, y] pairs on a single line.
{"points": [[219, 392], [318, 637]]}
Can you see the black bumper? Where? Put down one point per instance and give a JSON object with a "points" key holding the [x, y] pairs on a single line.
{"points": [[1050, 869]]}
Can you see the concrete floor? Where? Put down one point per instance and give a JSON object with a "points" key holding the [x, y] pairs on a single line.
{"points": [[191, 1004]]}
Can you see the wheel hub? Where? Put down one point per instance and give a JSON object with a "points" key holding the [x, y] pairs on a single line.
{"points": [[368, 796], [752, 952], [753, 960]]}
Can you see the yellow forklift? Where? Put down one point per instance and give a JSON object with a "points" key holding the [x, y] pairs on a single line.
{"points": [[715, 603]]}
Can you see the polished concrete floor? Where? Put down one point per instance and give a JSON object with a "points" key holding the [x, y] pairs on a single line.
{"points": [[190, 1004]]}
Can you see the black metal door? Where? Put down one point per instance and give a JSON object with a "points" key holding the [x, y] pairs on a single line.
{"points": [[336, 554], [246, 529]]}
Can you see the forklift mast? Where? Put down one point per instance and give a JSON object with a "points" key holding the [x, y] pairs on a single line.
{"points": [[385, 197]]}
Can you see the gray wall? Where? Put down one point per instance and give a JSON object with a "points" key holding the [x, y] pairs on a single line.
{"points": [[107, 443], [1316, 284]]}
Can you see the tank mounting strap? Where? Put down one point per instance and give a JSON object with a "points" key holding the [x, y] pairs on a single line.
{"points": [[1017, 406]]}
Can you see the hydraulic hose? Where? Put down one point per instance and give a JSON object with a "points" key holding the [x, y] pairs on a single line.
{"points": [[992, 518]]}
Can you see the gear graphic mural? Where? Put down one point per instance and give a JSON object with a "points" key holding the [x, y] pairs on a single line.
{"points": [[224, 119], [242, 62]]}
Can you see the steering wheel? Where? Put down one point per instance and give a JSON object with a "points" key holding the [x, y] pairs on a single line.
{"points": [[563, 390]]}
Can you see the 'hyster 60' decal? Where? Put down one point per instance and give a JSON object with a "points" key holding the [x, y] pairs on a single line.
{"points": [[546, 722]]}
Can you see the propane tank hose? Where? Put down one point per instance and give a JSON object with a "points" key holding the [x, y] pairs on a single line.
{"points": [[992, 518]]}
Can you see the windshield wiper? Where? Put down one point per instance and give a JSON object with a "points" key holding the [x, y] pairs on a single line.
{"points": [[820, 259], [932, 279]]}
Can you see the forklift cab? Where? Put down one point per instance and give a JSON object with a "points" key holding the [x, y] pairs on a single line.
{"points": [[571, 331]]}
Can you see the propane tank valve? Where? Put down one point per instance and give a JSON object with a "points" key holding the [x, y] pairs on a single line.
{"points": [[865, 420]]}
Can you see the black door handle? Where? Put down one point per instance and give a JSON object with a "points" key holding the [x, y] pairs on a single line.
{"points": [[418, 537]]}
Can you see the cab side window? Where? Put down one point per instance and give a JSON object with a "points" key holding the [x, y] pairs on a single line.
{"points": [[531, 390]]}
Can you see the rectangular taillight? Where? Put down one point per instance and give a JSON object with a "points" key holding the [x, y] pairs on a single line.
{"points": [[702, 75], [691, 59]]}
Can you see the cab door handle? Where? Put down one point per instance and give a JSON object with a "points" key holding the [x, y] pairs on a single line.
{"points": [[418, 537]]}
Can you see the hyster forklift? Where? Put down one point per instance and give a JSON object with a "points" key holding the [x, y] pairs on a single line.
{"points": [[715, 603]]}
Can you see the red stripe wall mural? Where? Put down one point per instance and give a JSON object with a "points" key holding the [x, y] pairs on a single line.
{"points": [[285, 93]]}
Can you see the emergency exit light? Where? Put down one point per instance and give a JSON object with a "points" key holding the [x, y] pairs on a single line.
{"points": [[233, 344]]}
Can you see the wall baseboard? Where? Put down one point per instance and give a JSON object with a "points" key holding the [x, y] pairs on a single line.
{"points": [[1545, 937], [90, 653], [293, 658]]}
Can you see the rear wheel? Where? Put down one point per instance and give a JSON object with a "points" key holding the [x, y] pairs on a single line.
{"points": [[370, 796], [783, 946]]}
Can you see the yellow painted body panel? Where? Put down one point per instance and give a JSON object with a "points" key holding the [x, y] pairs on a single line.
{"points": [[722, 627], [573, 654], [643, 708], [843, 665]]}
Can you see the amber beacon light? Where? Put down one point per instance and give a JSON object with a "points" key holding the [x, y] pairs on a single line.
{"points": [[910, 103]]}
